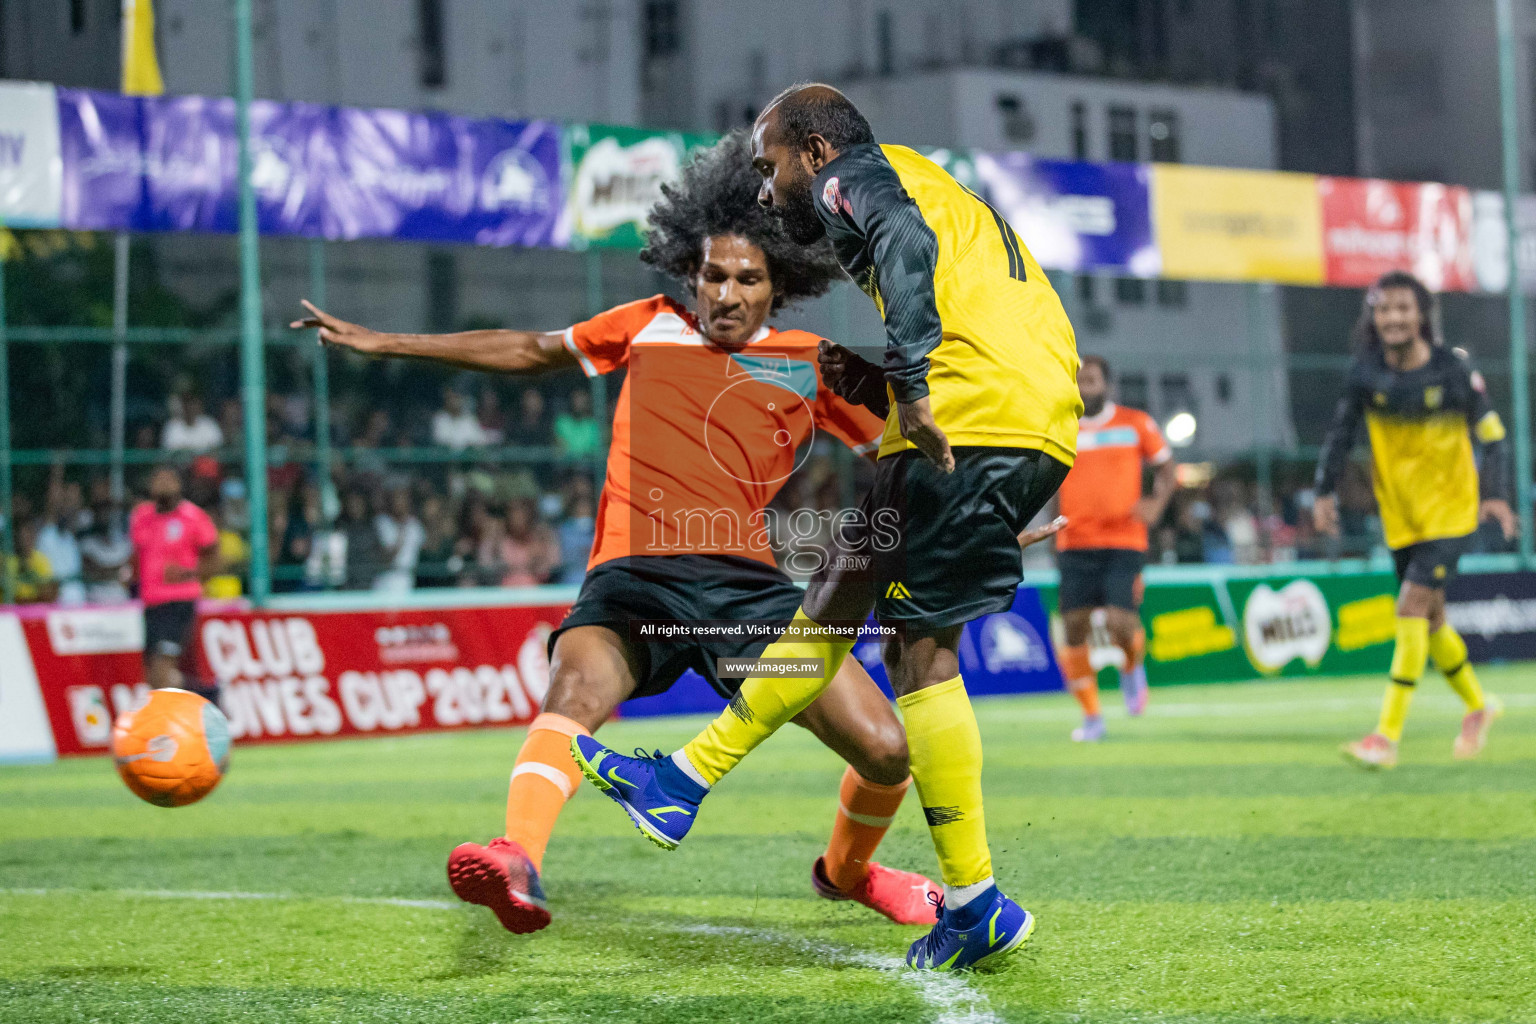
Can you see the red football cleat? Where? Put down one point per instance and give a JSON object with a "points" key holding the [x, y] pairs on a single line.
{"points": [[901, 896], [501, 876]]}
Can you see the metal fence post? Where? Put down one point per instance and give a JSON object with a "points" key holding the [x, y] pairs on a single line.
{"points": [[117, 429], [253, 368], [7, 526], [321, 386], [1520, 382]]}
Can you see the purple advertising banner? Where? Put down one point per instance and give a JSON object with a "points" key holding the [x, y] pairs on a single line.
{"points": [[169, 164], [1075, 216]]}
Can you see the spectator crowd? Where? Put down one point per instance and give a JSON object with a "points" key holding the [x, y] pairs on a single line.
{"points": [[456, 507], [440, 500]]}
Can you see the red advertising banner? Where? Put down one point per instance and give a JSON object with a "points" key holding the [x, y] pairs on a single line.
{"points": [[1372, 226], [302, 675]]}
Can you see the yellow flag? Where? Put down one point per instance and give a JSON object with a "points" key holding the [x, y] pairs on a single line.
{"points": [[141, 69]]}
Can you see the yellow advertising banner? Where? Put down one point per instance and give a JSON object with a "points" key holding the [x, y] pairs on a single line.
{"points": [[1218, 224]]}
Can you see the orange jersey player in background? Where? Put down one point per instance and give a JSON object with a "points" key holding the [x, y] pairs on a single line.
{"points": [[1101, 549]]}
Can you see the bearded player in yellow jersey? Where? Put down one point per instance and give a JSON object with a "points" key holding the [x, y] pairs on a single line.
{"points": [[978, 386], [1423, 408]]}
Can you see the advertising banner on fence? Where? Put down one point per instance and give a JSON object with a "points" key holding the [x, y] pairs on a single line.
{"points": [[1009, 652], [1371, 227], [1218, 224], [1228, 630], [1490, 241], [1495, 612], [29, 156], [616, 177], [305, 675], [25, 734], [169, 164], [1075, 216]]}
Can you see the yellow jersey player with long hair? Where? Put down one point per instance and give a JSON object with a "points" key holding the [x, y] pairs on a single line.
{"points": [[1424, 409]]}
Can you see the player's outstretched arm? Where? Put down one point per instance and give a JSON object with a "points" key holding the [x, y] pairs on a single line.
{"points": [[494, 351]]}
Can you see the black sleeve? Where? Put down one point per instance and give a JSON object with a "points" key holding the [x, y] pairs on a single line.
{"points": [[859, 196], [1341, 436], [1488, 435]]}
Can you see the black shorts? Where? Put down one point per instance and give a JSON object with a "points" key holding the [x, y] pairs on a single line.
{"points": [[935, 549], [684, 588], [1100, 578], [1429, 563], [168, 629]]}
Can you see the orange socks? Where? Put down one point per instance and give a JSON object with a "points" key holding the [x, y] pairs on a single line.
{"points": [[1081, 679], [865, 811], [543, 780]]}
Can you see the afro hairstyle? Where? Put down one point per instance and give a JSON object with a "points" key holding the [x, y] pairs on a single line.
{"points": [[717, 195]]}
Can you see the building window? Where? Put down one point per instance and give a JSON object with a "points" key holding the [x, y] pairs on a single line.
{"points": [[1177, 395], [885, 40], [1079, 130], [1173, 294], [594, 16], [1122, 134], [1086, 292], [1163, 134], [1130, 291], [76, 17], [429, 36], [1131, 390], [662, 37], [1223, 388], [442, 290], [1018, 122]]}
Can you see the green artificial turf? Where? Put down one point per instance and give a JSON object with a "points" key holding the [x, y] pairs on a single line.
{"points": [[1216, 861]]}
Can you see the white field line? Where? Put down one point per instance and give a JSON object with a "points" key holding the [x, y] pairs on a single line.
{"points": [[952, 999], [949, 994], [1258, 709]]}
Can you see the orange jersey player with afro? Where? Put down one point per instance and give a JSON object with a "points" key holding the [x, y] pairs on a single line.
{"points": [[713, 417]]}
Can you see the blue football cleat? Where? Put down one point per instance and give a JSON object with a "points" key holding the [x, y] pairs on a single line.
{"points": [[654, 792], [987, 927]]}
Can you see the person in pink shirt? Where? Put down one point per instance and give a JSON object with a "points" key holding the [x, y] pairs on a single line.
{"points": [[176, 548]]}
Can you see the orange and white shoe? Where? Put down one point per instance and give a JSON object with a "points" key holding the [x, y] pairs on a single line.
{"points": [[901, 896], [1474, 730], [1375, 751]]}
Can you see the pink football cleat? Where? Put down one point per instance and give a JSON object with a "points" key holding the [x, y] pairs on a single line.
{"points": [[1374, 751], [901, 896], [501, 876]]}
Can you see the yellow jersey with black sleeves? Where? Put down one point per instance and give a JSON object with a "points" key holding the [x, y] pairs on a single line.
{"points": [[970, 318], [1422, 425]]}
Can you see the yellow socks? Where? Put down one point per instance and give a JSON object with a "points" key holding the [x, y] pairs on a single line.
{"points": [[764, 703], [1409, 657], [1449, 652], [945, 746]]}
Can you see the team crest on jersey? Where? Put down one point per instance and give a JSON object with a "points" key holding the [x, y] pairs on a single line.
{"points": [[831, 194], [1433, 397], [1380, 398]]}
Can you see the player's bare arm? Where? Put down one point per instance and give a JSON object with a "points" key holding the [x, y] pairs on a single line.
{"points": [[494, 351], [1165, 480], [209, 564]]}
